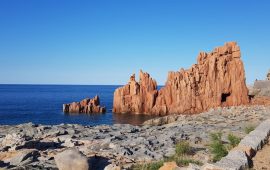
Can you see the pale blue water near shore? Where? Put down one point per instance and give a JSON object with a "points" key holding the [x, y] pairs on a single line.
{"points": [[42, 104]]}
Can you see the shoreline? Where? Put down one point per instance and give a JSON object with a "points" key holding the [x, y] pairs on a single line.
{"points": [[123, 144]]}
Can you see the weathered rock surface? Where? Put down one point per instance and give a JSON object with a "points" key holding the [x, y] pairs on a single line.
{"points": [[136, 97], [85, 106], [71, 160], [218, 79], [123, 145], [261, 88], [234, 160]]}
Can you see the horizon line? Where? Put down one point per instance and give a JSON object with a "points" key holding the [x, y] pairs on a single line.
{"points": [[40, 84]]}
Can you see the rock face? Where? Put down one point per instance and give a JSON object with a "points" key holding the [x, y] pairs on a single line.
{"points": [[136, 97], [268, 75], [218, 79], [85, 106]]}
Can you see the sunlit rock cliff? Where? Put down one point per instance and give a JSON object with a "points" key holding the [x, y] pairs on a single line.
{"points": [[218, 79]]}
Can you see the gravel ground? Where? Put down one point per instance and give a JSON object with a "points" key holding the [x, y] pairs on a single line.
{"points": [[262, 159]]}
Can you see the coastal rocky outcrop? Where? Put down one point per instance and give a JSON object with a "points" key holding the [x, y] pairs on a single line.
{"points": [[260, 92], [85, 106], [35, 146], [218, 79], [261, 88]]}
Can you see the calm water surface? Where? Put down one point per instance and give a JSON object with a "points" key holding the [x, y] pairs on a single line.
{"points": [[42, 104]]}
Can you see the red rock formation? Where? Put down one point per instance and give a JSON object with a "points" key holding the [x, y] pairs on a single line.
{"points": [[218, 79], [85, 106], [136, 97]]}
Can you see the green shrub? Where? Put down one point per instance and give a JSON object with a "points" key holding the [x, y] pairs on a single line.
{"points": [[148, 166], [182, 161], [216, 136], [217, 147], [233, 140], [182, 148], [249, 128]]}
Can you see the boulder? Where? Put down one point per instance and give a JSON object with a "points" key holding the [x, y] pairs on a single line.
{"points": [[71, 160], [218, 79], [85, 106]]}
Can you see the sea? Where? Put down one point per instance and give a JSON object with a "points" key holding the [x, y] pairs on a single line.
{"points": [[42, 104]]}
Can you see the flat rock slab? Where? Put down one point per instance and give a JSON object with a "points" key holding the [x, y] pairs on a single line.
{"points": [[258, 137], [235, 160]]}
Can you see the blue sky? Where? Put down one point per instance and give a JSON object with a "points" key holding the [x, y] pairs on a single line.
{"points": [[104, 41]]}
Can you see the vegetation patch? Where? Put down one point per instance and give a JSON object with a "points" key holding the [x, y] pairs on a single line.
{"points": [[217, 147], [182, 157], [182, 148], [148, 166], [233, 140], [249, 129]]}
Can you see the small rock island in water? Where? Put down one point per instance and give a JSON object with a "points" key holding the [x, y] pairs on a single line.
{"points": [[85, 106]]}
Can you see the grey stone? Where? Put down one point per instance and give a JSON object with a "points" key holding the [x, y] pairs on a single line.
{"points": [[258, 137], [235, 160], [71, 160], [24, 157]]}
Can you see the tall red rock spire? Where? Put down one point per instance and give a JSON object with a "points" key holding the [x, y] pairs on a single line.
{"points": [[218, 79]]}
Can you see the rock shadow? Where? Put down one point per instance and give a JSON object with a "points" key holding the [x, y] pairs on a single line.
{"points": [[98, 162]]}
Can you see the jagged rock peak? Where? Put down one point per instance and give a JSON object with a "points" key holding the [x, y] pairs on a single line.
{"points": [[218, 79], [136, 97]]}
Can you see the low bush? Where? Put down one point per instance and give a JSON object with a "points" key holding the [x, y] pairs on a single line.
{"points": [[249, 128], [148, 166], [182, 148], [217, 147], [233, 140]]}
